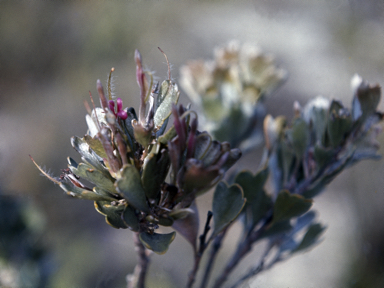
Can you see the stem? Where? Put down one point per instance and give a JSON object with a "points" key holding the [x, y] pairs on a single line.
{"points": [[200, 251], [257, 269], [212, 257], [137, 280], [243, 249]]}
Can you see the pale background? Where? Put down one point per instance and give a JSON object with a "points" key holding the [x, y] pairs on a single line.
{"points": [[52, 52]]}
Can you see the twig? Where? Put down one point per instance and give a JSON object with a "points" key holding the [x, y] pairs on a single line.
{"points": [[242, 249], [257, 269], [137, 280], [200, 251]]}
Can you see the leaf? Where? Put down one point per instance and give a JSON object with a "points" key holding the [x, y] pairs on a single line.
{"points": [[129, 184], [299, 137], [168, 136], [83, 148], [339, 124], [112, 213], [289, 205], [188, 227], [258, 202], [80, 193], [94, 176], [130, 218], [158, 243], [227, 204], [277, 228], [168, 95], [155, 170], [311, 237], [96, 146]]}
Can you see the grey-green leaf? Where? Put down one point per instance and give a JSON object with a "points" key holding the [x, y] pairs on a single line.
{"points": [[129, 184], [289, 205], [112, 213], [258, 202], [227, 204], [158, 243], [168, 95], [155, 170]]}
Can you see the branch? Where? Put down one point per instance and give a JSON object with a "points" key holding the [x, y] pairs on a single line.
{"points": [[242, 249], [137, 279], [199, 253], [212, 257]]}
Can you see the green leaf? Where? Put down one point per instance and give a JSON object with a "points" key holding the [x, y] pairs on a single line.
{"points": [[94, 176], [83, 148], [299, 137], [129, 184], [130, 218], [277, 228], [258, 202], [311, 237], [80, 193], [155, 170], [112, 213], [169, 135], [289, 205], [96, 146], [339, 123], [323, 156], [158, 243], [227, 204], [168, 95]]}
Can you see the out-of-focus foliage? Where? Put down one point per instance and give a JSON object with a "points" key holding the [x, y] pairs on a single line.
{"points": [[230, 91], [24, 262]]}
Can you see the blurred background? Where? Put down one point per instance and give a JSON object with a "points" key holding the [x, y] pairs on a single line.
{"points": [[52, 53]]}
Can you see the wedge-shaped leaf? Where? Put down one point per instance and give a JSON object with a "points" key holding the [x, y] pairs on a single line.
{"points": [[80, 193], [258, 202], [228, 201], [289, 205], [158, 243], [168, 95], [94, 176], [112, 213], [339, 126], [277, 228], [82, 147], [96, 146], [189, 226], [299, 137], [156, 167], [311, 237], [130, 218], [129, 184]]}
